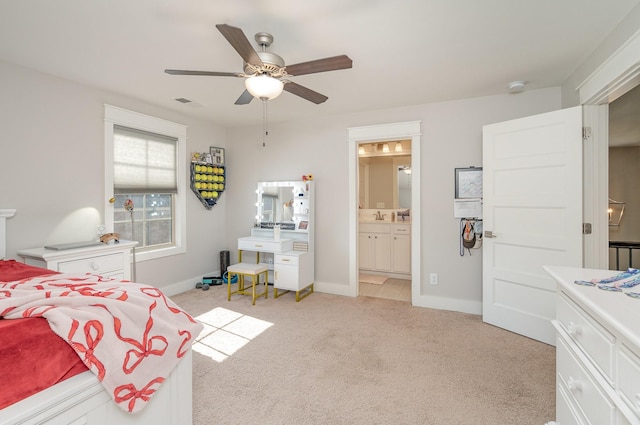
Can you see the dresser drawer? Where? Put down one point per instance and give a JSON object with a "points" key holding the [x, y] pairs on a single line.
{"points": [[291, 260], [579, 386], [98, 264], [265, 244], [629, 378], [597, 343]]}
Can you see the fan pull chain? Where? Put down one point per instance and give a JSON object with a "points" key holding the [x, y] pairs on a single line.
{"points": [[265, 130]]}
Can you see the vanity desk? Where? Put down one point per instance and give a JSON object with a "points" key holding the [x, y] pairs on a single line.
{"points": [[283, 237]]}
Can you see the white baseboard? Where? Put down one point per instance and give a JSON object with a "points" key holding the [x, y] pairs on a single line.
{"points": [[185, 285], [452, 304], [333, 288]]}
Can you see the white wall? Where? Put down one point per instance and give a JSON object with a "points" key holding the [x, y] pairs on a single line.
{"points": [[52, 171], [451, 137], [629, 26]]}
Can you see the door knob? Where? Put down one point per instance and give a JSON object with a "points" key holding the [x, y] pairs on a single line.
{"points": [[489, 234]]}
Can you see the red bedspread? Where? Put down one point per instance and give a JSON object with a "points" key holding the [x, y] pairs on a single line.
{"points": [[130, 335], [33, 357]]}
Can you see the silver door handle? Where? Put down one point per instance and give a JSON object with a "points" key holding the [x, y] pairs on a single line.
{"points": [[489, 234]]}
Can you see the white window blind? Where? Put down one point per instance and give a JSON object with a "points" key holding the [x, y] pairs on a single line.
{"points": [[143, 162]]}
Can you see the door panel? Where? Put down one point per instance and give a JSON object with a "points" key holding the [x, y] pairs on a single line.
{"points": [[532, 190]]}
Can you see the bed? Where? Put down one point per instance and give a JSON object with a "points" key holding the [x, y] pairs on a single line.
{"points": [[68, 353]]}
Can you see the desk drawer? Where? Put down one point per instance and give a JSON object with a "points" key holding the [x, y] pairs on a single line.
{"points": [[99, 264], [291, 260], [596, 342], [265, 245]]}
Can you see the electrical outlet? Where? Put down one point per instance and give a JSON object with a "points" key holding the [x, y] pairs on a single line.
{"points": [[433, 279]]}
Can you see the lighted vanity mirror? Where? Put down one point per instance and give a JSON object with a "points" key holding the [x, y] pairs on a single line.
{"points": [[283, 203], [384, 175]]}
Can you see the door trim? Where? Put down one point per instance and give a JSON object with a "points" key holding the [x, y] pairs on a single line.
{"points": [[613, 78], [374, 133]]}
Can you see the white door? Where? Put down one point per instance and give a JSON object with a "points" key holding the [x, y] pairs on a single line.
{"points": [[532, 208]]}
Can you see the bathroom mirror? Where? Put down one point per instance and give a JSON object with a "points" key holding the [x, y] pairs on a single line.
{"points": [[384, 180], [284, 203], [404, 186]]}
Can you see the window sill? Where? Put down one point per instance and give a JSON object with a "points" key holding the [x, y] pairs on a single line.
{"points": [[159, 253]]}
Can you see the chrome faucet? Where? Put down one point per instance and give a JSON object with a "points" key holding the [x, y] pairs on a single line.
{"points": [[379, 216]]}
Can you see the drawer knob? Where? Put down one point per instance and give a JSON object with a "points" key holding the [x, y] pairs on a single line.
{"points": [[574, 384], [574, 330], [95, 266]]}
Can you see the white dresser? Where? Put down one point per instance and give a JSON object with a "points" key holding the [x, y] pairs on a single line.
{"points": [[597, 351], [109, 260]]}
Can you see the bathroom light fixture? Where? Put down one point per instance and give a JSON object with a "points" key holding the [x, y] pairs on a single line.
{"points": [[264, 87], [385, 148], [361, 150], [398, 147]]}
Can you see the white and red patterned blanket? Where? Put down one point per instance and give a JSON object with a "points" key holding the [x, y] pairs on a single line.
{"points": [[130, 335]]}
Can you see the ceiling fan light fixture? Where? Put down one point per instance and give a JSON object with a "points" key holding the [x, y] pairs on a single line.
{"points": [[264, 87]]}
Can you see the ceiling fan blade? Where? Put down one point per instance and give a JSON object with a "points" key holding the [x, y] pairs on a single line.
{"points": [[305, 93], [239, 41], [206, 73], [320, 65], [244, 98]]}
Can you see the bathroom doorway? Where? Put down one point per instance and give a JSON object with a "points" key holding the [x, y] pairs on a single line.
{"points": [[410, 130], [384, 219]]}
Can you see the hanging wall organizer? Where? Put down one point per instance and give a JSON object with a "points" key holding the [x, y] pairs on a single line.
{"points": [[208, 176]]}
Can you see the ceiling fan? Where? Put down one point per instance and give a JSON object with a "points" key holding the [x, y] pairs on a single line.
{"points": [[265, 72]]}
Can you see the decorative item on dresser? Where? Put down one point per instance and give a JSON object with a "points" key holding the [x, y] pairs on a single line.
{"points": [[597, 346]]}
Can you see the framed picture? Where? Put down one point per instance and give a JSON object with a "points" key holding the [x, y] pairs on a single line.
{"points": [[217, 155], [468, 182], [303, 225]]}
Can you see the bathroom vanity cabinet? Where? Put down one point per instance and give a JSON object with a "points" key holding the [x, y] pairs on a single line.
{"points": [[385, 247], [401, 248]]}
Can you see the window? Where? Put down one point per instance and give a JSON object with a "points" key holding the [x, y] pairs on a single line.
{"points": [[144, 159]]}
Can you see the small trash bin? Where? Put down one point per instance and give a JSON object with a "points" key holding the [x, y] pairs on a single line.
{"points": [[225, 262]]}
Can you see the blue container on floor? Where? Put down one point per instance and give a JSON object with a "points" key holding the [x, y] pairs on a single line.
{"points": [[225, 278]]}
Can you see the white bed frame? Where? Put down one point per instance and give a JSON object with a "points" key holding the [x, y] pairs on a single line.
{"points": [[83, 400]]}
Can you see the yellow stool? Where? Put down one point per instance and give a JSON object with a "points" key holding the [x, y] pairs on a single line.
{"points": [[247, 269]]}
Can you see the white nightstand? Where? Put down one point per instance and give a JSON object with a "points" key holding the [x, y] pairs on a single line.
{"points": [[109, 260]]}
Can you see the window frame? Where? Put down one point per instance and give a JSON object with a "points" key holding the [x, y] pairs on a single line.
{"points": [[123, 117]]}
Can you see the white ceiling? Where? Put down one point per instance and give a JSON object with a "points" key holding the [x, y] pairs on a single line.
{"points": [[404, 52]]}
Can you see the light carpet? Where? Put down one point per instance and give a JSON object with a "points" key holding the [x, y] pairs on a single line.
{"points": [[372, 278], [333, 360]]}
